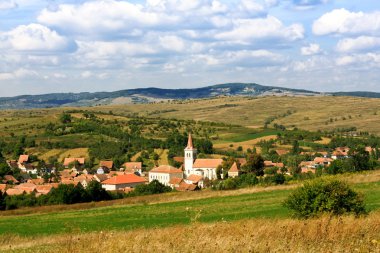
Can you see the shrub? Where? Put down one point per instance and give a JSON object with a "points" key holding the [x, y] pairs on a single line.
{"points": [[325, 196]]}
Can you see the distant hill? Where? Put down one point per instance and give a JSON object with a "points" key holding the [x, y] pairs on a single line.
{"points": [[145, 95]]}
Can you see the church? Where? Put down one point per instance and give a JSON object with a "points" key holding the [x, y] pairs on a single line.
{"points": [[201, 167]]}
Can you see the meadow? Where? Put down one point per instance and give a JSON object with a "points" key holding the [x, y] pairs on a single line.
{"points": [[171, 209]]}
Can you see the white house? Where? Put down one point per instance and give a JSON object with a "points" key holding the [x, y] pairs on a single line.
{"points": [[164, 174], [121, 182]]}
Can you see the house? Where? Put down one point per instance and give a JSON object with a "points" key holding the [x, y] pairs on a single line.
{"points": [[340, 153], [322, 161], [234, 171], [133, 167], [282, 152], [13, 192], [100, 177], [85, 182], [28, 168], [195, 180], [186, 187], [175, 182], [37, 181], [3, 188], [122, 181], [26, 187], [10, 178], [164, 174], [44, 189], [106, 164], [23, 159], [71, 160]]}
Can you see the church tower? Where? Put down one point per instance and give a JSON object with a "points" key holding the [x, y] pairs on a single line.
{"points": [[190, 154]]}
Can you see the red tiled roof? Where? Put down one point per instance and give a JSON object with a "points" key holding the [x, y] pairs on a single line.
{"points": [[282, 151], [132, 165], [3, 187], [234, 168], [320, 160], [10, 178], [186, 187], [194, 178], [13, 191], [101, 177], [166, 169], [179, 159], [23, 158], [27, 187], [44, 189], [124, 179], [69, 160], [242, 161], [107, 164], [207, 163], [175, 180]]}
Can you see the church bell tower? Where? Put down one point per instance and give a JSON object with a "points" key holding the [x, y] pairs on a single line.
{"points": [[190, 154]]}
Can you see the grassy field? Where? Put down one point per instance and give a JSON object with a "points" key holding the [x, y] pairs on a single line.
{"points": [[250, 203], [344, 234], [244, 220]]}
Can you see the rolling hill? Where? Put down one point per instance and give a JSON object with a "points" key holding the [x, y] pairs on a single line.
{"points": [[145, 95]]}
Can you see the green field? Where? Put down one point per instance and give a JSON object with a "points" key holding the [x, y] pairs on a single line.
{"points": [[144, 215]]}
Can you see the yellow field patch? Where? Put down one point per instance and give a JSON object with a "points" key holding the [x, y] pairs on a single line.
{"points": [[244, 144], [324, 140], [76, 152]]}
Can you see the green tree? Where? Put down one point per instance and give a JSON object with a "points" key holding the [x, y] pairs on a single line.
{"points": [[65, 118], [255, 164], [325, 196], [96, 192]]}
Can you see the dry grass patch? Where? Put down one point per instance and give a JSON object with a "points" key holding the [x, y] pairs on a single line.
{"points": [[326, 234], [76, 152]]}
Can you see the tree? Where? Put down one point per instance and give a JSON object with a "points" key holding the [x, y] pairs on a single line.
{"points": [[255, 164], [65, 118], [96, 192], [296, 147], [325, 196]]}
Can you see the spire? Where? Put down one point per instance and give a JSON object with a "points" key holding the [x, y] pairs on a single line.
{"points": [[190, 142]]}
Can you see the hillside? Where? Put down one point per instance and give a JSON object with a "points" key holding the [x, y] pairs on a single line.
{"points": [[145, 95]]}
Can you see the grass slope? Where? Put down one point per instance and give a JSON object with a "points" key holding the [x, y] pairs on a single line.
{"points": [[265, 204]]}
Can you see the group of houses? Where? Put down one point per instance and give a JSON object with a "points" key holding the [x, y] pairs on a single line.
{"points": [[192, 174]]}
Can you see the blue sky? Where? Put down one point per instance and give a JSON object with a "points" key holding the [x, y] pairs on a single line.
{"points": [[71, 46]]}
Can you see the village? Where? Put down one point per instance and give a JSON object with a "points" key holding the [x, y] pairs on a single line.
{"points": [[193, 174]]}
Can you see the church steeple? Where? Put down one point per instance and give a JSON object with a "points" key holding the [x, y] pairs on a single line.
{"points": [[190, 142]]}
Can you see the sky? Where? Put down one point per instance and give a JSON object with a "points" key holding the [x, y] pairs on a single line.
{"points": [[105, 45]]}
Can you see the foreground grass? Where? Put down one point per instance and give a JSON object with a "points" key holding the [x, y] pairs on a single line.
{"points": [[173, 209], [326, 234]]}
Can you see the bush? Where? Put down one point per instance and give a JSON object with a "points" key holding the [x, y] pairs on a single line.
{"points": [[325, 196]]}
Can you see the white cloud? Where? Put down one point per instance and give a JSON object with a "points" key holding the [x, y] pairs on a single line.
{"points": [[311, 49], [246, 31], [369, 60], [362, 43], [172, 43], [342, 21], [106, 16], [18, 74], [35, 37], [7, 4]]}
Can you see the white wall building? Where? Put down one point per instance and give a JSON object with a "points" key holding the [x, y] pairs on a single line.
{"points": [[164, 174]]}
